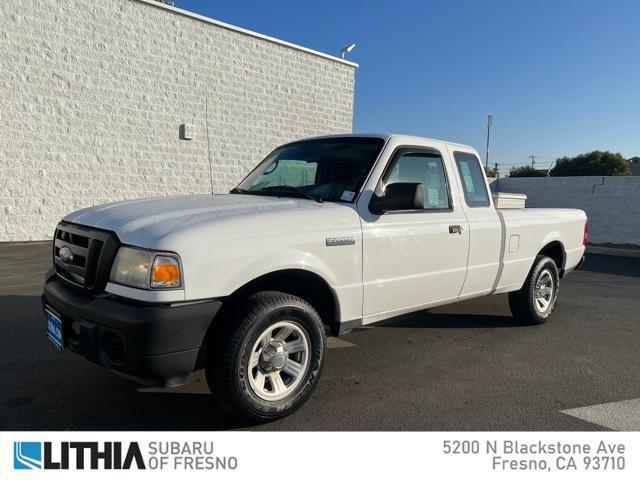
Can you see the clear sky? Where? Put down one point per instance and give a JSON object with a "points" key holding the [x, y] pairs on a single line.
{"points": [[561, 77]]}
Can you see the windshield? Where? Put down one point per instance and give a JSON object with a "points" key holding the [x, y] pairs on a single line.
{"points": [[330, 169]]}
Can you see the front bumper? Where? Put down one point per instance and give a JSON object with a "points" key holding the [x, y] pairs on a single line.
{"points": [[154, 344]]}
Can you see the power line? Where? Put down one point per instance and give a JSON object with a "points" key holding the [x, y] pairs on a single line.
{"points": [[520, 163], [505, 168]]}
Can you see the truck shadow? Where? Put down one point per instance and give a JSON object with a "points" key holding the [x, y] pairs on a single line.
{"points": [[166, 410], [427, 319]]}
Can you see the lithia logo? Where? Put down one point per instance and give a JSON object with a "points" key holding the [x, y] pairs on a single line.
{"points": [[153, 455], [27, 455], [87, 455]]}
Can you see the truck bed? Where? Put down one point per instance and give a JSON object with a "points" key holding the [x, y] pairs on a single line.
{"points": [[527, 231]]}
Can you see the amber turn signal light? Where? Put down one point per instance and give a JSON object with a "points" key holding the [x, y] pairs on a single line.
{"points": [[165, 272]]}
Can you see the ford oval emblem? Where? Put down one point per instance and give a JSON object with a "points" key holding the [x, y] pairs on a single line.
{"points": [[65, 254]]}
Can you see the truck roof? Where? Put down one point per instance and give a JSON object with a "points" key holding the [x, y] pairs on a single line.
{"points": [[408, 139]]}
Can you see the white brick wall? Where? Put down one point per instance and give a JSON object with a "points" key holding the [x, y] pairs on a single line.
{"points": [[612, 204], [92, 95]]}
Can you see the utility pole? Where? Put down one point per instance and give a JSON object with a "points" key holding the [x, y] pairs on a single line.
{"points": [[489, 123]]}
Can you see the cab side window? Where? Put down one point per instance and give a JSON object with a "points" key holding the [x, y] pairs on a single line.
{"points": [[424, 168], [473, 182]]}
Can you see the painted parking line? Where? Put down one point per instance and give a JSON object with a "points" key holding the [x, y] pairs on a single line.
{"points": [[335, 342], [620, 416]]}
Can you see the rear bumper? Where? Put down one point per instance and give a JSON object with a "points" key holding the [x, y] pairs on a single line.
{"points": [[154, 344]]}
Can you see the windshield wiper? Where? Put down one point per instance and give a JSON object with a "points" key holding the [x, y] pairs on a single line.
{"points": [[237, 190], [289, 188]]}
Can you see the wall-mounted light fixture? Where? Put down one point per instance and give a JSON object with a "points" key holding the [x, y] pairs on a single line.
{"points": [[187, 131]]}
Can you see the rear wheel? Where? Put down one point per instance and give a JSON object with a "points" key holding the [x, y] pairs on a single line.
{"points": [[268, 359], [535, 301]]}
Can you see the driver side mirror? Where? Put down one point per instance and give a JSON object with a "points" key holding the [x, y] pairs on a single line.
{"points": [[399, 196]]}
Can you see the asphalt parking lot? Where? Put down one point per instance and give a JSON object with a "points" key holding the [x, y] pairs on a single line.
{"points": [[461, 367]]}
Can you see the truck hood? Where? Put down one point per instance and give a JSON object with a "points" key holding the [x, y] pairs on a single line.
{"points": [[144, 222]]}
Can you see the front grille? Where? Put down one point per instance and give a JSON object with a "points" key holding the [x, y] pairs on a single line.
{"points": [[92, 252], [73, 238]]}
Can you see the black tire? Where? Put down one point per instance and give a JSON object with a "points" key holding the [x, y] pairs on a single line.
{"points": [[523, 302], [227, 368]]}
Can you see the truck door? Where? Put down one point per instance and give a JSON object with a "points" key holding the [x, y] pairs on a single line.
{"points": [[414, 258], [485, 228]]}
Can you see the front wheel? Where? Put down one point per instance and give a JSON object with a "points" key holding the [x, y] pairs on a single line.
{"points": [[535, 301], [269, 359]]}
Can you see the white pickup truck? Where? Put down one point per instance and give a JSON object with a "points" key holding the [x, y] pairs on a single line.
{"points": [[324, 235]]}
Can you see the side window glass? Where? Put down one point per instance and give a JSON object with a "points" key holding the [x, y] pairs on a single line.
{"points": [[472, 176], [425, 169]]}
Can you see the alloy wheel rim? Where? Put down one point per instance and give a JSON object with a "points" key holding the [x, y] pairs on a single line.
{"points": [[278, 361], [544, 291]]}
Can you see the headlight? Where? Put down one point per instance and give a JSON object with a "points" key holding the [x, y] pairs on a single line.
{"points": [[146, 269]]}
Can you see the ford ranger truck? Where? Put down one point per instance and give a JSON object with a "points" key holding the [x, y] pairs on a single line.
{"points": [[325, 235]]}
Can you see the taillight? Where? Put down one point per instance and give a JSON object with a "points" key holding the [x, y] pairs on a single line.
{"points": [[585, 236]]}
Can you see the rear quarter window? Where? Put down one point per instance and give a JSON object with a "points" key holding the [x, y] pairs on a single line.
{"points": [[472, 177]]}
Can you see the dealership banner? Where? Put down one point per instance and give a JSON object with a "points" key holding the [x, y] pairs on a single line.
{"points": [[312, 455]]}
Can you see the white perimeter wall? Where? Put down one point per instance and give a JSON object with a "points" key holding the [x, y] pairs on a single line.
{"points": [[611, 203], [92, 94]]}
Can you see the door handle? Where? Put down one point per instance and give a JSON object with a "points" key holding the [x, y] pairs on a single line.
{"points": [[455, 229]]}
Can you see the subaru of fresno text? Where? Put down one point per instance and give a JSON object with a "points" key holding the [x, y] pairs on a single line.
{"points": [[324, 235]]}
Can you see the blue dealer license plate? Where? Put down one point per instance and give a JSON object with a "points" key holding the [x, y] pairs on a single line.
{"points": [[54, 329]]}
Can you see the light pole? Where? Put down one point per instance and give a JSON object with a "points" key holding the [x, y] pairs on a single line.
{"points": [[346, 49], [489, 123]]}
